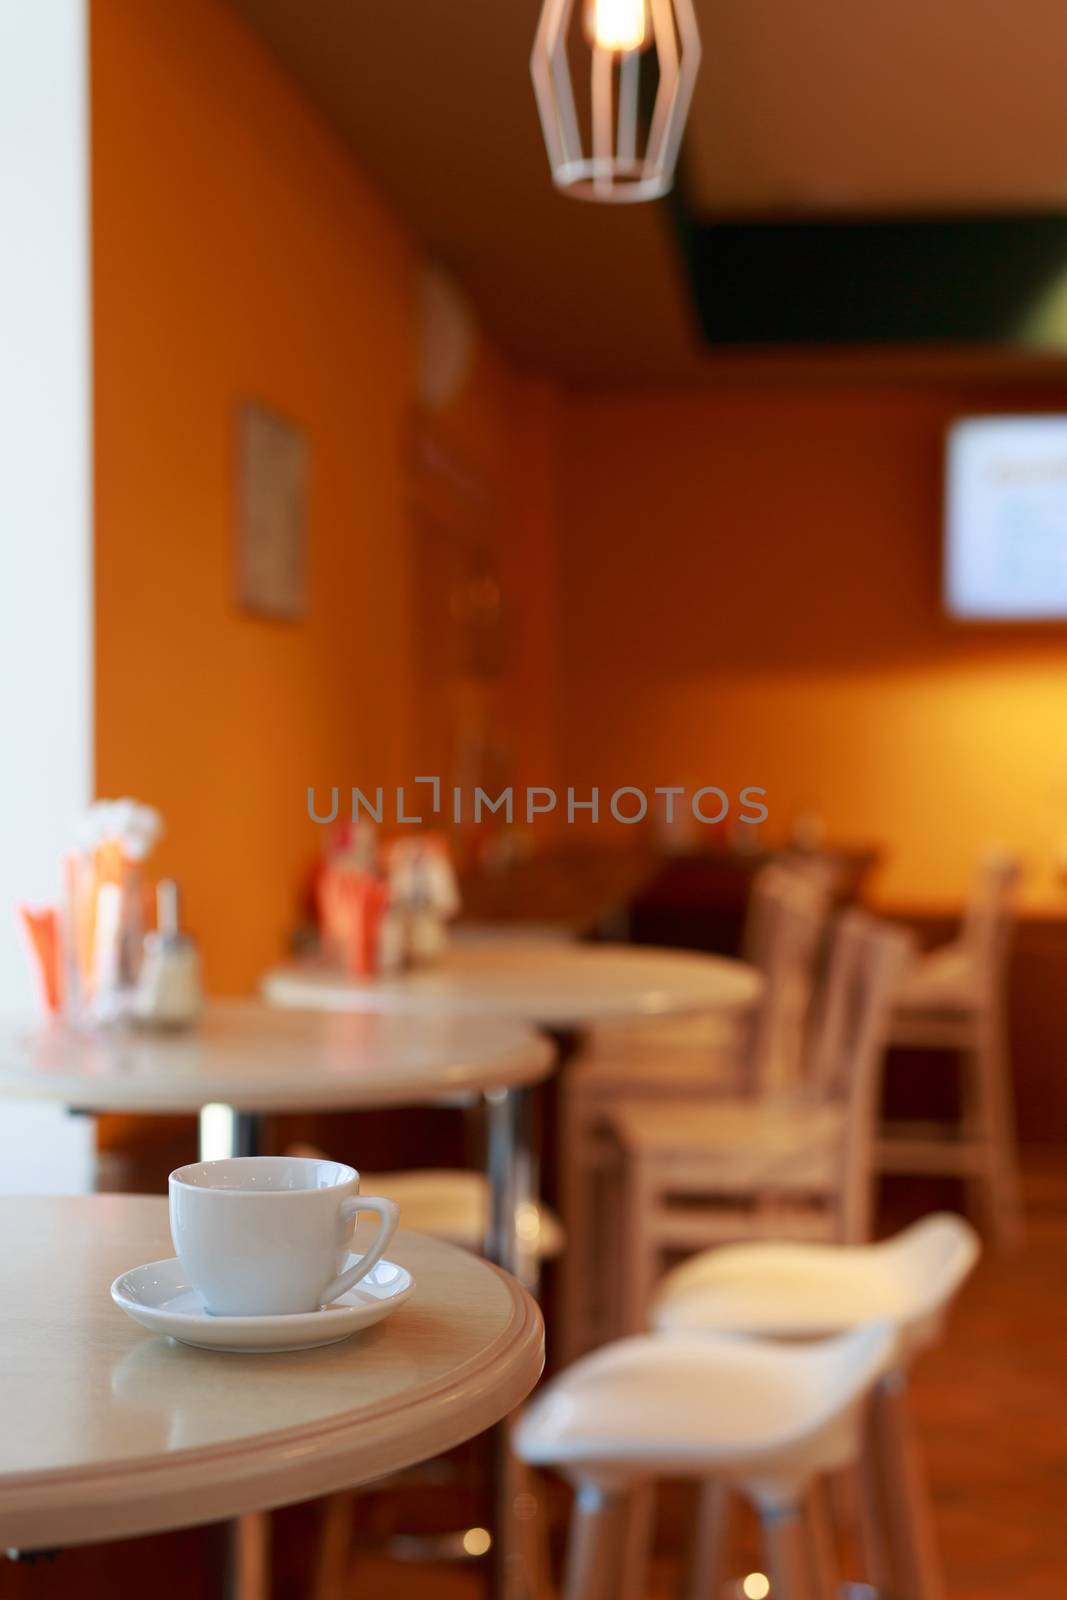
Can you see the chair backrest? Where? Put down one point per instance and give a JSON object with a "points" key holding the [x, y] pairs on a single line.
{"points": [[929, 1262], [786, 919], [852, 1020], [987, 919], [819, 866]]}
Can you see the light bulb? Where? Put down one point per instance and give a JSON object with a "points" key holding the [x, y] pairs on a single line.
{"points": [[617, 25]]}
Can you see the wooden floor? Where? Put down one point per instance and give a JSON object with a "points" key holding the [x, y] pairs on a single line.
{"points": [[992, 1409]]}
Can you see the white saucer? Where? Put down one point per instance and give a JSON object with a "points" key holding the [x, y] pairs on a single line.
{"points": [[159, 1296]]}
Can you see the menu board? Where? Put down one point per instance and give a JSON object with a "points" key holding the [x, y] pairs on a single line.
{"points": [[1006, 519]]}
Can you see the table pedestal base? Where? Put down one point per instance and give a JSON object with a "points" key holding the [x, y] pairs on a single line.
{"points": [[225, 1132]]}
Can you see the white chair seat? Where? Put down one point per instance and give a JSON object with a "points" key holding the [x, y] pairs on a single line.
{"points": [[790, 1290], [454, 1205], [673, 1406]]}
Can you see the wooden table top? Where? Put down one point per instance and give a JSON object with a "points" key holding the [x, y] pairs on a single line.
{"points": [[255, 1058], [109, 1431], [552, 984]]}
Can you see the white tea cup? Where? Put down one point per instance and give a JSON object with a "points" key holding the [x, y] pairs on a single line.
{"points": [[269, 1235]]}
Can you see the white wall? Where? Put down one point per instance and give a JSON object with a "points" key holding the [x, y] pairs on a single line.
{"points": [[45, 486]]}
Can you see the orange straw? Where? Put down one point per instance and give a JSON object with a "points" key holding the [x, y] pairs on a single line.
{"points": [[42, 928]]}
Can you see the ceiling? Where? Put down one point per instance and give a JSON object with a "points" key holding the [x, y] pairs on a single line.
{"points": [[920, 107], [880, 106]]}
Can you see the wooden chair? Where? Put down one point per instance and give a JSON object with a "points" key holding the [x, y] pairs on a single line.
{"points": [[683, 1060], [954, 1000], [794, 1163]]}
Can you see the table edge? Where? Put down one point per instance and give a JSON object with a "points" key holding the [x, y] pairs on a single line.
{"points": [[287, 988], [528, 1064], [151, 1495]]}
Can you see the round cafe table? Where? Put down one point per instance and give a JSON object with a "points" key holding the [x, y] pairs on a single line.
{"points": [[109, 1431], [244, 1060], [556, 985]]}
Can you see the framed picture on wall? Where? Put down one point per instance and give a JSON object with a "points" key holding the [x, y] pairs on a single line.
{"points": [[272, 496]]}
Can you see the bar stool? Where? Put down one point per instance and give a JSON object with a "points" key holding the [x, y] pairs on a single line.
{"points": [[790, 1164], [799, 1291], [953, 1000], [766, 1420], [682, 1062]]}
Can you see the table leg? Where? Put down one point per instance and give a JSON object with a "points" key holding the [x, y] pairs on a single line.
{"points": [[247, 1575], [511, 1243], [513, 1183], [226, 1132]]}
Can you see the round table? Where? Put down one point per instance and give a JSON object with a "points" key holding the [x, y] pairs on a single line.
{"points": [[247, 1056], [245, 1059], [109, 1431], [556, 985]]}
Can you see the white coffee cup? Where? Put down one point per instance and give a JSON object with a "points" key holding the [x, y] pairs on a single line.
{"points": [[268, 1235]]}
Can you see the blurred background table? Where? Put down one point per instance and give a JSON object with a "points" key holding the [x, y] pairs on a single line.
{"points": [[581, 890], [562, 987], [698, 899], [553, 984], [245, 1060], [692, 898]]}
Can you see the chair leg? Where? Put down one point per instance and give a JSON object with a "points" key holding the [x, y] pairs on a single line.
{"points": [[823, 1545], [994, 1116], [576, 1262], [330, 1577], [638, 1256], [705, 1571], [640, 1526], [913, 1571], [787, 1552], [872, 1516], [595, 1545], [534, 1531]]}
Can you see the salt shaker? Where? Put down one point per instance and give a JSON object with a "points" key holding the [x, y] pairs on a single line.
{"points": [[169, 992]]}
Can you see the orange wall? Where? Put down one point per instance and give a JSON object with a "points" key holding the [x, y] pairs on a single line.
{"points": [[749, 572], [237, 251], [751, 579], [516, 469]]}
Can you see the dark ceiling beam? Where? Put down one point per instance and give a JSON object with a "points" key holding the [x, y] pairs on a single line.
{"points": [[945, 280]]}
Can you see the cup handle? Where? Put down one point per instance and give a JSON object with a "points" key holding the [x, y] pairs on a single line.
{"points": [[388, 1213]]}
